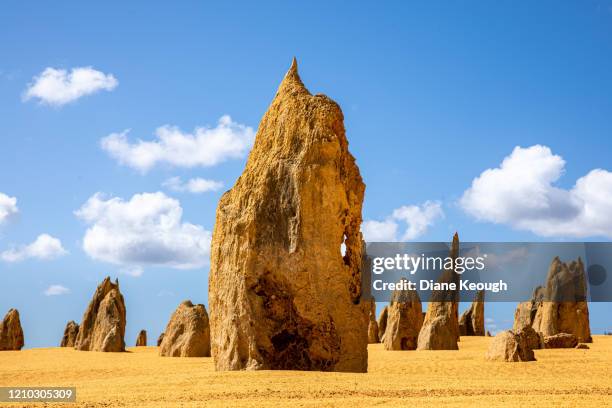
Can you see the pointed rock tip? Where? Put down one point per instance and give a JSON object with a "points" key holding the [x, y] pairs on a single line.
{"points": [[294, 67], [292, 79]]}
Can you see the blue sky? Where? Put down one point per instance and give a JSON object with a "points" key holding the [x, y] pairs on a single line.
{"points": [[433, 95]]}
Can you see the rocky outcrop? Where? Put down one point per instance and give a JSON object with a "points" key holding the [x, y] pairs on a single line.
{"points": [[160, 339], [560, 340], [488, 333], [187, 333], [382, 323], [440, 329], [404, 321], [11, 333], [526, 311], [70, 334], [509, 347], [533, 339], [472, 321], [373, 325], [282, 294], [564, 309], [103, 325], [141, 340], [582, 346]]}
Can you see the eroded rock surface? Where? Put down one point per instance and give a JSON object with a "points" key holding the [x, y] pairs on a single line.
{"points": [[472, 321], [11, 333], [141, 340], [373, 325], [382, 323], [509, 347], [560, 340], [525, 312], [440, 329], [533, 339], [564, 309], [103, 324], [404, 321], [160, 339], [70, 334], [282, 295], [187, 333]]}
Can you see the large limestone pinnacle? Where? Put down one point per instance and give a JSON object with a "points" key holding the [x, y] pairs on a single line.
{"points": [[440, 330], [281, 293], [565, 309]]}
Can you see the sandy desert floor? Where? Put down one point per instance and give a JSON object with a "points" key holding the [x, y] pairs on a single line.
{"points": [[141, 378]]}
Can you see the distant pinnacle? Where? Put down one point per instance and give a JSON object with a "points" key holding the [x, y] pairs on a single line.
{"points": [[455, 246]]}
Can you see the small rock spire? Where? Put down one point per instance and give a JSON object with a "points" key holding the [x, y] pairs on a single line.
{"points": [[292, 81], [454, 252]]}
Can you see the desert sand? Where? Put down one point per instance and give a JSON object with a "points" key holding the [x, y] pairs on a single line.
{"points": [[561, 377]]}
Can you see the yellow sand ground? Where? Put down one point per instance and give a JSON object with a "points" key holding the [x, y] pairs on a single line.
{"points": [[141, 378]]}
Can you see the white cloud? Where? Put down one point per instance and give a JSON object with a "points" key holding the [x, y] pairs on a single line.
{"points": [[379, 231], [56, 290], [195, 185], [521, 192], [146, 230], [134, 271], [417, 220], [44, 247], [58, 87], [8, 207], [204, 147]]}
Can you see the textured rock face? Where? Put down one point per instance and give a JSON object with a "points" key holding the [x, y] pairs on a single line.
{"points": [[382, 323], [103, 325], [373, 325], [472, 320], [404, 321], [160, 339], [533, 339], [558, 315], [282, 295], [440, 329], [141, 340], [70, 334], [509, 347], [526, 311], [560, 340], [11, 333], [582, 346], [187, 333]]}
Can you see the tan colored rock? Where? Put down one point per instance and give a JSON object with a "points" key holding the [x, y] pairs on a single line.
{"points": [[187, 333], [472, 321], [70, 334], [373, 325], [440, 330], [509, 347], [557, 314], [141, 340], [526, 311], [582, 346], [534, 339], [11, 333], [282, 295], [160, 339], [560, 340], [382, 323], [404, 321], [103, 324]]}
